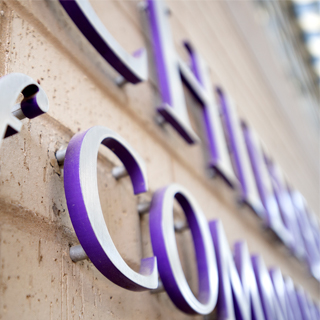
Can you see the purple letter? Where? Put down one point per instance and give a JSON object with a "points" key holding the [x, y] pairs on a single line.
{"points": [[293, 300], [197, 79], [287, 209], [281, 293], [239, 154], [304, 304], [313, 254], [271, 307], [165, 248], [81, 190], [273, 217], [238, 296], [200, 85], [173, 107], [133, 68], [35, 102]]}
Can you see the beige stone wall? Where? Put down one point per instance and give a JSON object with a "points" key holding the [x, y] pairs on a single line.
{"points": [[37, 278]]}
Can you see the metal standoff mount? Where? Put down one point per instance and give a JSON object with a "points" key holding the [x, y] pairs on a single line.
{"points": [[211, 173], [17, 112], [180, 226], [77, 253], [120, 81], [159, 120], [119, 172], [159, 289], [60, 156], [143, 6], [143, 207]]}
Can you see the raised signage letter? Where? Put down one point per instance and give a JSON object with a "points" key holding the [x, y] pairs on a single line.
{"points": [[133, 68], [281, 293], [249, 193], [197, 79], [273, 218], [304, 304], [81, 189], [173, 107], [293, 300], [35, 102], [270, 303], [313, 253], [165, 248], [198, 82], [238, 291], [288, 214]]}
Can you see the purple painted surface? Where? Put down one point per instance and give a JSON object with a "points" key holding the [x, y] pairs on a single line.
{"points": [[269, 301], [233, 144], [238, 291], [30, 105], [273, 218], [198, 72], [226, 308], [35, 102], [157, 239], [315, 226], [137, 179], [281, 293], [133, 71], [310, 243], [197, 79], [304, 304], [238, 152], [286, 209], [224, 288], [252, 151], [293, 300], [173, 107], [158, 234], [313, 310], [199, 83], [79, 215], [244, 266]]}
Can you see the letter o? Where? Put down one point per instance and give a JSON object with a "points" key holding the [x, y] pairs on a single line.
{"points": [[165, 248], [81, 190]]}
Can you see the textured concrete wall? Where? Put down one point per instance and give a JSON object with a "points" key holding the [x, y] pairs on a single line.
{"points": [[37, 278]]}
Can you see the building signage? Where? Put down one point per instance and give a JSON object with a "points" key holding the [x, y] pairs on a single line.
{"points": [[35, 102], [232, 285]]}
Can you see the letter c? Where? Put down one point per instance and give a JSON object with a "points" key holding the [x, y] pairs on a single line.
{"points": [[81, 190]]}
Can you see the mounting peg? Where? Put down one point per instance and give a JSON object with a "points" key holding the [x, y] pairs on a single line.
{"points": [[119, 172], [77, 253], [143, 207], [60, 156]]}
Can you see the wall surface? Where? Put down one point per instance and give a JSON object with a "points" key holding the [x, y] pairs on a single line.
{"points": [[37, 278]]}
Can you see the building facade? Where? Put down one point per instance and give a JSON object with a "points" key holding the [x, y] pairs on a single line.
{"points": [[39, 39]]}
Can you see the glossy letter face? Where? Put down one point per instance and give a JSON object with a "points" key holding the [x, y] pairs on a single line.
{"points": [[81, 190], [293, 299], [271, 306], [198, 81], [165, 248], [35, 102], [309, 239], [281, 293], [304, 304], [133, 68], [238, 291], [248, 190], [173, 107], [287, 209], [170, 70], [273, 217]]}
